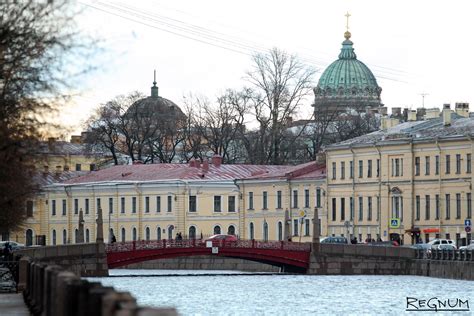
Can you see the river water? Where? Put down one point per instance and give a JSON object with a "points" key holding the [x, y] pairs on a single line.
{"points": [[233, 293]]}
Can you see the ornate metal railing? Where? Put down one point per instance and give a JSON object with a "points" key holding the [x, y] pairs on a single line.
{"points": [[198, 243], [443, 254]]}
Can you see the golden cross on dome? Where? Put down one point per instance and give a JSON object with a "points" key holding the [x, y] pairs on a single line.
{"points": [[347, 21]]}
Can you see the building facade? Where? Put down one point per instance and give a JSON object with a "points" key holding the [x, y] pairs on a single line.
{"points": [[410, 182]]}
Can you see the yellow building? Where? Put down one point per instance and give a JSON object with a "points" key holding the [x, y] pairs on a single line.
{"points": [[411, 181], [156, 201]]}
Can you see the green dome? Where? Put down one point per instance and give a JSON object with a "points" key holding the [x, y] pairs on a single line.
{"points": [[347, 82]]}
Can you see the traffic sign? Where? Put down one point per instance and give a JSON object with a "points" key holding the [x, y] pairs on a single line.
{"points": [[467, 222], [394, 223], [467, 229], [303, 213]]}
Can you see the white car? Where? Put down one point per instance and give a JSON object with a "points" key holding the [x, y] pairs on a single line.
{"points": [[435, 243], [13, 244], [468, 247]]}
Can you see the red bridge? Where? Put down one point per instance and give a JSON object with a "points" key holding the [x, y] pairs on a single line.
{"points": [[289, 255]]}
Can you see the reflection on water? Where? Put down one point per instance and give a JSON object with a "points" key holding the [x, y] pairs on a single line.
{"points": [[198, 292]]}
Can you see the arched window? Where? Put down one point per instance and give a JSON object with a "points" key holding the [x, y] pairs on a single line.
{"points": [[87, 235], [134, 234], [170, 232], [64, 237], [53, 237], [124, 236], [29, 237], [251, 232], [147, 233], [265, 231], [280, 231], [76, 235], [231, 230], [158, 233], [111, 234], [192, 232], [217, 230]]}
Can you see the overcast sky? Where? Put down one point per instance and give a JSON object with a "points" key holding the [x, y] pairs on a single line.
{"points": [[204, 47]]}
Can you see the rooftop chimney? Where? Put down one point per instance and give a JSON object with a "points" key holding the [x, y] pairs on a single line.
{"points": [[411, 115], [205, 165], [431, 114], [446, 114], [462, 109], [76, 139], [388, 122], [383, 110], [217, 160]]}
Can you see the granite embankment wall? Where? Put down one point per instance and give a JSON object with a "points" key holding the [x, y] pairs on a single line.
{"points": [[339, 259], [82, 259], [52, 290], [205, 263]]}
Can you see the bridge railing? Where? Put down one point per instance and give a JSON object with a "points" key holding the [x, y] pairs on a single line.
{"points": [[444, 254], [198, 243]]}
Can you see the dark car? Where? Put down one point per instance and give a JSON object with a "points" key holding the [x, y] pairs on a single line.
{"points": [[334, 240], [220, 239]]}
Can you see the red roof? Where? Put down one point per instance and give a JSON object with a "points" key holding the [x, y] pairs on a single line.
{"points": [[154, 172], [309, 170]]}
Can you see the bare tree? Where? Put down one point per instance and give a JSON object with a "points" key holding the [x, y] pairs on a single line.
{"points": [[39, 49], [280, 83]]}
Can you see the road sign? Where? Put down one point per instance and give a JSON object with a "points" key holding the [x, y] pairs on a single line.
{"points": [[467, 223], [394, 223], [303, 213], [467, 229]]}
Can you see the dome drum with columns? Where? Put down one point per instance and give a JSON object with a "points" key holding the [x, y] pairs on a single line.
{"points": [[347, 84]]}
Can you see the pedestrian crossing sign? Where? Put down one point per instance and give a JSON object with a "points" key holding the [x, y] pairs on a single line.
{"points": [[394, 223]]}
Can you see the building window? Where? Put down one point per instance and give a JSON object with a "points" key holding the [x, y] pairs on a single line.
{"points": [[448, 164], [64, 237], [278, 199], [333, 209], [231, 204], [397, 167], [378, 168], [427, 207], [251, 231], [280, 231], [64, 209], [250, 200], [369, 168], [361, 208], [217, 203], [78, 167], [295, 198], [192, 204], [122, 205], [53, 237], [306, 226], [318, 197], [111, 205], [158, 204], [448, 206], [217, 230], [437, 206], [458, 205], [92, 167], [468, 163], [351, 208], [87, 236], [147, 233], [29, 209], [343, 169], [134, 204], [295, 227], [369, 208], [378, 209], [469, 205], [86, 202], [427, 165], [123, 235], [306, 198], [351, 169], [265, 200], [192, 232], [417, 166], [76, 206], [343, 209], [134, 234], [361, 168], [147, 204], [53, 207], [436, 164], [458, 163], [334, 171], [417, 208], [158, 233], [170, 203], [397, 207], [98, 204]]}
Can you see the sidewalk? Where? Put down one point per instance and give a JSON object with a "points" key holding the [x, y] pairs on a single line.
{"points": [[13, 304]]}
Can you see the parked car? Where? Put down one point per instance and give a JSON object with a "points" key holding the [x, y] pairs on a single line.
{"points": [[446, 247], [390, 243], [435, 243], [468, 247], [421, 246], [334, 240], [13, 244], [217, 239]]}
